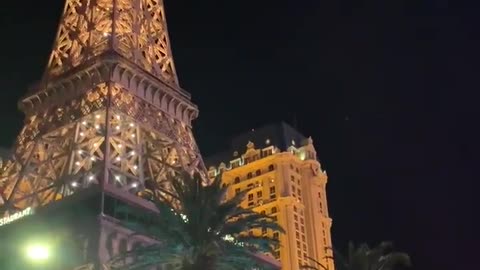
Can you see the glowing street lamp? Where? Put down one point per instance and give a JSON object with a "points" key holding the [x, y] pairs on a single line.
{"points": [[38, 252]]}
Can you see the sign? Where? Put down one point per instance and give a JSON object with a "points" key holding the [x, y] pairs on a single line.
{"points": [[9, 219]]}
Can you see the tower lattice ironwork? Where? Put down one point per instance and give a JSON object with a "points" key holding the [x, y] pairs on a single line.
{"points": [[108, 111]]}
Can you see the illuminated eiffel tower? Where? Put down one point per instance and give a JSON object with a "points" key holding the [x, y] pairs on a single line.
{"points": [[108, 117]]}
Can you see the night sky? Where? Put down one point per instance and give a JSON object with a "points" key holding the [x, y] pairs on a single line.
{"points": [[387, 89]]}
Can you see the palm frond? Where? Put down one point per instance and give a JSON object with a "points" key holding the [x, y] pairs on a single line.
{"points": [[194, 229]]}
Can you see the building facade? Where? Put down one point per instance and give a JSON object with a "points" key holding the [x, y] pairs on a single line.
{"points": [[279, 168]]}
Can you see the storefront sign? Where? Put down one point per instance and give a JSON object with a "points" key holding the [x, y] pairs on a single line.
{"points": [[9, 219]]}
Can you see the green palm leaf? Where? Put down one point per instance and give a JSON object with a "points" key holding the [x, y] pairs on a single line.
{"points": [[198, 228]]}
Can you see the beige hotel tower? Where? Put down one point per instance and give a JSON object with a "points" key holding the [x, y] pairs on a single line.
{"points": [[279, 167]]}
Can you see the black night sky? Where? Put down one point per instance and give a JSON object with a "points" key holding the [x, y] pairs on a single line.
{"points": [[387, 89]]}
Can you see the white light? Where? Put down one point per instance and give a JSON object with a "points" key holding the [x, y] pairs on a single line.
{"points": [[97, 126], [133, 135], [132, 153], [82, 134], [118, 117], [77, 163], [84, 123], [105, 34], [95, 144], [119, 146], [135, 185], [132, 125], [97, 116], [38, 252], [92, 158], [118, 158], [118, 127], [80, 152], [117, 177], [74, 184], [135, 167], [91, 177]]}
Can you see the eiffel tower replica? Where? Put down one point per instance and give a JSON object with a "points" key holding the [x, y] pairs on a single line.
{"points": [[105, 126]]}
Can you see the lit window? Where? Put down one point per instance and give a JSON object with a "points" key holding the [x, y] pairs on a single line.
{"points": [[271, 167], [258, 172]]}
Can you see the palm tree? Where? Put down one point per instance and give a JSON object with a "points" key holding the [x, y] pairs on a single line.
{"points": [[381, 257], [198, 228]]}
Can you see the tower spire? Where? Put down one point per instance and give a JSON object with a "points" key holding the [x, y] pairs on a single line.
{"points": [[133, 29]]}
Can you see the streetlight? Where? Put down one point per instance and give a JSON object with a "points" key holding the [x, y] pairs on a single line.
{"points": [[38, 252]]}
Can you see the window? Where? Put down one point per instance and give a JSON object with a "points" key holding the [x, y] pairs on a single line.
{"points": [[237, 180], [303, 229], [275, 235], [298, 171], [271, 167], [258, 172], [303, 237], [235, 163], [267, 152], [272, 190], [297, 234], [295, 217], [296, 225], [292, 178], [298, 244], [293, 189], [302, 221], [250, 197], [299, 192], [274, 210], [249, 175], [263, 212], [294, 209], [237, 191], [291, 166], [259, 194]]}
